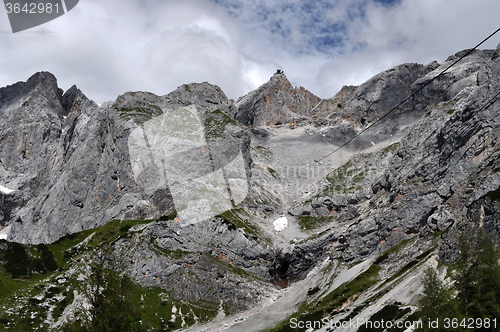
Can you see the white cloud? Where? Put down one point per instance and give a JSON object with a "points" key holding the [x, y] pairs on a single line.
{"points": [[256, 73], [411, 31], [109, 47]]}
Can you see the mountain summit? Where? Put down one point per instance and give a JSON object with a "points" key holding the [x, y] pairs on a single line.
{"points": [[277, 102]]}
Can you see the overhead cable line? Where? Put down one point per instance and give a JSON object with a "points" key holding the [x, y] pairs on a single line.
{"points": [[409, 97], [489, 103]]}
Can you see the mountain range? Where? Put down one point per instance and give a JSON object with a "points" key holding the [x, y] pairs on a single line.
{"points": [[303, 207]]}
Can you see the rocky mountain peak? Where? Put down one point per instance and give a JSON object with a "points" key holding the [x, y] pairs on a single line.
{"points": [[280, 79], [68, 159], [43, 80], [203, 95], [43, 83], [74, 100], [276, 102]]}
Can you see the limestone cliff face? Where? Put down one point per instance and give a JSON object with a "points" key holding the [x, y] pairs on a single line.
{"points": [[382, 92], [67, 158], [442, 176]]}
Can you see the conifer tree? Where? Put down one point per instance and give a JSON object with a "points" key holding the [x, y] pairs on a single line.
{"points": [[465, 275], [435, 301], [488, 280], [476, 283]]}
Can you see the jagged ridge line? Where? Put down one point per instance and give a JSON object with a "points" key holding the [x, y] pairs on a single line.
{"points": [[489, 103], [409, 97]]}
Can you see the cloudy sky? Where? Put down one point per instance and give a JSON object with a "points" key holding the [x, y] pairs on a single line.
{"points": [[109, 47]]}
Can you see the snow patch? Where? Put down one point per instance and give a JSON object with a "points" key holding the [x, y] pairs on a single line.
{"points": [[5, 190], [280, 224]]}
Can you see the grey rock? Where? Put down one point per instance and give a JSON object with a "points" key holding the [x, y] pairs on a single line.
{"points": [[277, 102], [440, 220], [67, 161], [211, 261], [69, 158], [384, 91]]}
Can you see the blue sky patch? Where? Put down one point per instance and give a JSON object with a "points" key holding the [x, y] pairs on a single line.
{"points": [[300, 27]]}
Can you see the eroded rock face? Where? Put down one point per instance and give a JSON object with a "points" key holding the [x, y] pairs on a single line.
{"points": [[69, 157], [383, 92], [278, 102], [212, 261], [441, 177], [350, 111]]}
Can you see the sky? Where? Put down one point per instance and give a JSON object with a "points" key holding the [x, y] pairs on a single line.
{"points": [[109, 47]]}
